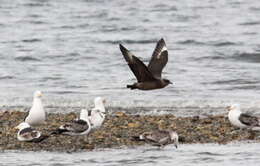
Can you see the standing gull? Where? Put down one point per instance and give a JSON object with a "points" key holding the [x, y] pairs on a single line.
{"points": [[28, 134], [76, 127], [36, 114], [242, 120], [97, 114], [159, 138], [148, 78]]}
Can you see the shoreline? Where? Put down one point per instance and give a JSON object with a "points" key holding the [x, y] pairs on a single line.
{"points": [[117, 130]]}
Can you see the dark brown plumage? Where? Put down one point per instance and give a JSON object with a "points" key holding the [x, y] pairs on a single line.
{"points": [[159, 59], [148, 77]]}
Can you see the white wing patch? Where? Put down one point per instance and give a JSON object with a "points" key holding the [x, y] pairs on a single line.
{"points": [[130, 55], [163, 49]]}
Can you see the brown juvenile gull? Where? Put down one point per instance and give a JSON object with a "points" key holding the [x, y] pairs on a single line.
{"points": [[242, 120], [76, 127], [28, 134], [148, 78], [159, 138]]}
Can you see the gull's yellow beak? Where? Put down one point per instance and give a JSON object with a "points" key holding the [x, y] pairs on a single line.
{"points": [[40, 95]]}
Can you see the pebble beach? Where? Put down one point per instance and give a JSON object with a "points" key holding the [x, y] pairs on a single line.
{"points": [[117, 130]]}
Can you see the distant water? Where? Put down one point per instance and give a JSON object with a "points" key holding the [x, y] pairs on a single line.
{"points": [[69, 50], [185, 155]]}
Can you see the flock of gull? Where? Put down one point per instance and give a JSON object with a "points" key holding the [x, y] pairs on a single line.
{"points": [[87, 121], [148, 78]]}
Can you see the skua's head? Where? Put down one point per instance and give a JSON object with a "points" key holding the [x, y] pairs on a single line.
{"points": [[167, 82]]}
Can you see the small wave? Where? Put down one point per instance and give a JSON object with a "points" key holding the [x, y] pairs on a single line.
{"points": [[109, 29], [51, 78], [130, 41], [36, 4], [235, 3], [129, 28], [73, 54], [70, 92], [235, 82], [208, 58], [221, 44], [6, 77], [25, 49], [250, 33], [76, 86], [244, 87], [34, 15], [188, 42], [114, 19], [254, 8], [247, 57], [210, 154], [116, 29], [250, 23], [85, 25], [163, 8], [67, 27], [31, 40], [38, 23], [26, 58]]}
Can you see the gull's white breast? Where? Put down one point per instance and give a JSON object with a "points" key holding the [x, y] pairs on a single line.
{"points": [[233, 117]]}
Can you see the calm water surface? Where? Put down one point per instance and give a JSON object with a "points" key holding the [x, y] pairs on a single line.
{"points": [[69, 50], [186, 155]]}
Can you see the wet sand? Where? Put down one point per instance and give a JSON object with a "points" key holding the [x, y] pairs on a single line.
{"points": [[117, 130]]}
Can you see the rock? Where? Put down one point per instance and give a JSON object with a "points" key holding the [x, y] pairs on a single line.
{"points": [[133, 125], [120, 114], [118, 129]]}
